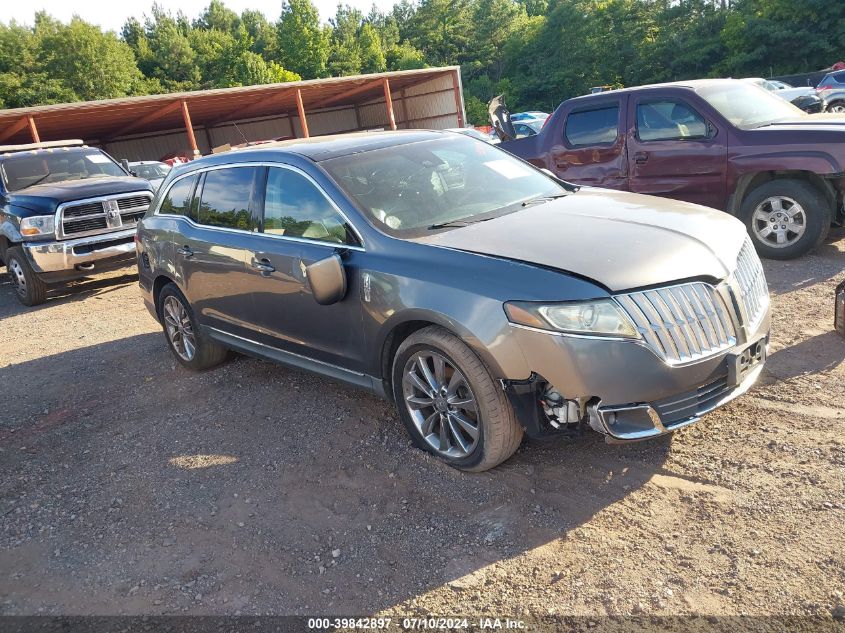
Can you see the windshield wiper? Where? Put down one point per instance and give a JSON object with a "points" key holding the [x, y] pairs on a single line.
{"points": [[543, 198], [455, 224], [39, 181]]}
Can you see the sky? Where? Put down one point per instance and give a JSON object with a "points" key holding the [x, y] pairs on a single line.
{"points": [[112, 14]]}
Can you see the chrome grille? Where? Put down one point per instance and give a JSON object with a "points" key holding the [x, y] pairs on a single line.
{"points": [[751, 284], [681, 323], [99, 215]]}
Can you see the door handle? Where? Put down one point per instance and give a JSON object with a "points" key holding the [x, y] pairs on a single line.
{"points": [[263, 266], [640, 157], [185, 251]]}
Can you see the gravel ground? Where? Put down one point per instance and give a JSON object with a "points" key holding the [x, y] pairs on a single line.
{"points": [[132, 486]]}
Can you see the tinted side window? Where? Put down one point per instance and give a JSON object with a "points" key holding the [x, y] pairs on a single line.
{"points": [[226, 196], [593, 127], [295, 207], [669, 120], [178, 200], [839, 76]]}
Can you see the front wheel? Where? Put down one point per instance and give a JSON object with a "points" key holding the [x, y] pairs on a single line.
{"points": [[450, 404], [29, 288], [191, 346], [836, 106], [786, 218]]}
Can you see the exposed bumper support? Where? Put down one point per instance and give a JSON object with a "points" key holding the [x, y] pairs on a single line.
{"points": [[81, 254]]}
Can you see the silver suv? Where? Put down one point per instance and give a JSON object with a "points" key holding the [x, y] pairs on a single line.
{"points": [[482, 296]]}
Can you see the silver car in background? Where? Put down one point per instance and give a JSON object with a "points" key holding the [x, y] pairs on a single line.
{"points": [[483, 297]]}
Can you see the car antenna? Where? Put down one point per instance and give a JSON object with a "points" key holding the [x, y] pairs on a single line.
{"points": [[243, 136]]}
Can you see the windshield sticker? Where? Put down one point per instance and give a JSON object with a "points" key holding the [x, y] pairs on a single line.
{"points": [[98, 158], [508, 168]]}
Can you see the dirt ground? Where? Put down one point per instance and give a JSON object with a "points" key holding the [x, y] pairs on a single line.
{"points": [[132, 486]]}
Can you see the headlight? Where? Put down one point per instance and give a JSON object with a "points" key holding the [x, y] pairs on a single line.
{"points": [[38, 225], [602, 317]]}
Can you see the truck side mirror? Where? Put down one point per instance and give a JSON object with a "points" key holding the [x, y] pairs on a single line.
{"points": [[327, 279], [125, 164]]}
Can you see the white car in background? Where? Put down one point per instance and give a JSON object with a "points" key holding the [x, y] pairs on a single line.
{"points": [[803, 97], [151, 170]]}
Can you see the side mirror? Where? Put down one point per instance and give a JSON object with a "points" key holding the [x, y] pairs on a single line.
{"points": [[327, 278], [711, 130]]}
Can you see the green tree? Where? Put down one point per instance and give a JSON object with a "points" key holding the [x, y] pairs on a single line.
{"points": [[217, 16], [372, 54], [302, 44], [92, 64], [345, 51], [441, 30]]}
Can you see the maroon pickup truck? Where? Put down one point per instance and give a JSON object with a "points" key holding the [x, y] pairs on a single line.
{"points": [[722, 143]]}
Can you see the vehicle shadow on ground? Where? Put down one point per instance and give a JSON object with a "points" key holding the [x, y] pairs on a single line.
{"points": [[820, 353], [259, 488], [822, 264], [61, 294]]}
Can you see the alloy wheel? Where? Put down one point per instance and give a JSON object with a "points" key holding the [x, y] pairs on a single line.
{"points": [[18, 277], [779, 221], [441, 404], [177, 324], [838, 107]]}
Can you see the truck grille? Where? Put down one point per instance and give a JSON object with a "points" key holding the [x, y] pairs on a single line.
{"points": [[681, 323], [751, 283], [99, 215]]}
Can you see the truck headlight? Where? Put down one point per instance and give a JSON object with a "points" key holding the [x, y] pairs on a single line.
{"points": [[602, 317], [38, 225]]}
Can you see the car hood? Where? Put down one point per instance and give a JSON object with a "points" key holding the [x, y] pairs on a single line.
{"points": [[47, 197], [620, 240]]}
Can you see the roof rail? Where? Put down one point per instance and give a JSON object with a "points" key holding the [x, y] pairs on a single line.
{"points": [[45, 145]]}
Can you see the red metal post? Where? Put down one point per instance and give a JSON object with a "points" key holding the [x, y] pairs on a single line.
{"points": [[33, 130], [189, 128], [303, 123], [389, 102], [459, 110]]}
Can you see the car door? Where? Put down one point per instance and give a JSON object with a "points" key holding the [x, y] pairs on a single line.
{"points": [[301, 225], [590, 147], [210, 250], [674, 151]]}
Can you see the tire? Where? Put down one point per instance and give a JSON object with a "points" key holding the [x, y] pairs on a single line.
{"points": [[776, 207], [191, 346], [29, 287], [462, 379], [836, 106]]}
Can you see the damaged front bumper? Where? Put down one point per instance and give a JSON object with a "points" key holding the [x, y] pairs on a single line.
{"points": [[623, 390]]}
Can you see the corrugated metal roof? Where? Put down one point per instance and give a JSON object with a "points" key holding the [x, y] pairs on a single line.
{"points": [[108, 119]]}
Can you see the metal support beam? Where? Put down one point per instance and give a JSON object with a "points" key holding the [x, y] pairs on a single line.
{"points": [[367, 87], [391, 119], [189, 128], [246, 111], [33, 131], [147, 118], [303, 123], [14, 128], [459, 109]]}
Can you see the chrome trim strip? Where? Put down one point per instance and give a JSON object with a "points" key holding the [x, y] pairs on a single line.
{"points": [[292, 168]]}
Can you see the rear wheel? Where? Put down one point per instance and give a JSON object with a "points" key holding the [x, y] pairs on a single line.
{"points": [[786, 218], [192, 347], [449, 402], [29, 288]]}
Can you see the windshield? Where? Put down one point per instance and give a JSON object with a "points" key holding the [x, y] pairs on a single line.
{"points": [[408, 190], [747, 106], [150, 172], [27, 169]]}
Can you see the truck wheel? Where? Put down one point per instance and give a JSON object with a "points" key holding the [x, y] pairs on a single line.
{"points": [[191, 346], [29, 287], [450, 404], [786, 218]]}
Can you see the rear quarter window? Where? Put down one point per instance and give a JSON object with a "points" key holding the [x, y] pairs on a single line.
{"points": [[599, 126]]}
